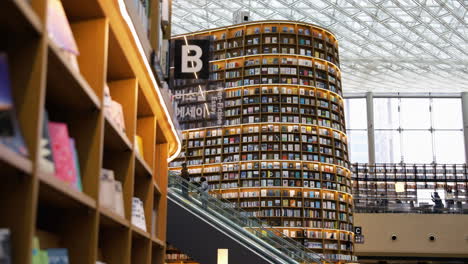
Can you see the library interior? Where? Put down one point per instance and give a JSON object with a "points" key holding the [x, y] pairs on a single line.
{"points": [[216, 132]]}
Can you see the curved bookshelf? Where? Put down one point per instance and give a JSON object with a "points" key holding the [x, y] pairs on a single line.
{"points": [[281, 153]]}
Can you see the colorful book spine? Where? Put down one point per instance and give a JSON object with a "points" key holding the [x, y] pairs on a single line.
{"points": [[77, 183], [10, 133], [63, 153]]}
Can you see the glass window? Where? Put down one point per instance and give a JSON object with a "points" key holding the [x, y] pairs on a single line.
{"points": [[447, 113], [387, 146], [356, 113], [449, 147], [415, 113], [417, 146], [358, 146], [386, 114]]}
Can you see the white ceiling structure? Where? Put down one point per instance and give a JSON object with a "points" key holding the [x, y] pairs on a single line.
{"points": [[385, 45]]}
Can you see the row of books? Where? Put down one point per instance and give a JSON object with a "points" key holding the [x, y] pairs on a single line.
{"points": [[47, 256], [276, 50]]}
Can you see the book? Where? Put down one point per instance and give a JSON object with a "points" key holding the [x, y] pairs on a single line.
{"points": [[46, 159], [114, 112], [36, 254], [139, 145], [77, 183], [58, 255], [10, 133], [60, 32], [62, 153], [5, 246], [107, 189], [118, 199], [138, 214]]}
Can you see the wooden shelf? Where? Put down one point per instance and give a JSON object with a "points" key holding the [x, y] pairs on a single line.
{"points": [[55, 192], [139, 233], [114, 138], [10, 160], [158, 242], [111, 219], [67, 89], [37, 203], [17, 16], [142, 167]]}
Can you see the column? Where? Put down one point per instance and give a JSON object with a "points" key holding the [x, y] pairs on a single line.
{"points": [[370, 127], [464, 99]]}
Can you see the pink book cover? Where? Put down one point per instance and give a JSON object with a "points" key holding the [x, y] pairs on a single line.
{"points": [[62, 152], [59, 28]]}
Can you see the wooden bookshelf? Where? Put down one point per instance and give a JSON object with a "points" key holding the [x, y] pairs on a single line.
{"points": [[35, 202], [283, 134], [175, 256]]}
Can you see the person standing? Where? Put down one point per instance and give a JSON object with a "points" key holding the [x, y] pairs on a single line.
{"points": [[438, 205], [449, 198], [186, 176], [204, 191]]}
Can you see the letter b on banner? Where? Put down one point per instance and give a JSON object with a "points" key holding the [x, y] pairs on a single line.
{"points": [[191, 63], [191, 59]]}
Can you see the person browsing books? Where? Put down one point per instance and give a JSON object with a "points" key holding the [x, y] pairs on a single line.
{"points": [[186, 176], [204, 192]]}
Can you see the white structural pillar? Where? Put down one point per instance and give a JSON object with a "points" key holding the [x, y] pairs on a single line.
{"points": [[464, 98], [370, 127]]}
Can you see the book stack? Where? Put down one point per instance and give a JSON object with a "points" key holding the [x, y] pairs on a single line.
{"points": [[138, 214], [110, 194]]}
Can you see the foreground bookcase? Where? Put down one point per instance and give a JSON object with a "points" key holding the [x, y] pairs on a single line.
{"points": [[35, 203]]}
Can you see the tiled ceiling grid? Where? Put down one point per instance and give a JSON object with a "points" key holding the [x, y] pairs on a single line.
{"points": [[385, 45]]}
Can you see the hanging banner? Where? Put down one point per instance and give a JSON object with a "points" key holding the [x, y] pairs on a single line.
{"points": [[191, 58]]}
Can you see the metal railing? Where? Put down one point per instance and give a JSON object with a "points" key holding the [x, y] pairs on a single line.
{"points": [[260, 229], [409, 205]]}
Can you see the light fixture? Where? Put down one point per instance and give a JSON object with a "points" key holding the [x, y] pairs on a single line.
{"points": [[223, 255]]}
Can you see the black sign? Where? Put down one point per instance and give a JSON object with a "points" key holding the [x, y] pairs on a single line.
{"points": [[358, 230], [359, 239], [191, 58]]}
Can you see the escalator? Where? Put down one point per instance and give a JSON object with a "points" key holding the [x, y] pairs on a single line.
{"points": [[200, 225]]}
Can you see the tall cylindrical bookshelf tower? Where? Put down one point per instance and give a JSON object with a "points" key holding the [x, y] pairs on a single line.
{"points": [[271, 137]]}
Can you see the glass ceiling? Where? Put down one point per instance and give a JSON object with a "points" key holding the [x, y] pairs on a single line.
{"points": [[385, 45]]}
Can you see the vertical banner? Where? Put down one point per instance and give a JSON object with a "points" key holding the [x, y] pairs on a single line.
{"points": [[200, 100], [191, 58]]}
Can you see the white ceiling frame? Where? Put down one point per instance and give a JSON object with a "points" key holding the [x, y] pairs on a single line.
{"points": [[385, 45]]}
